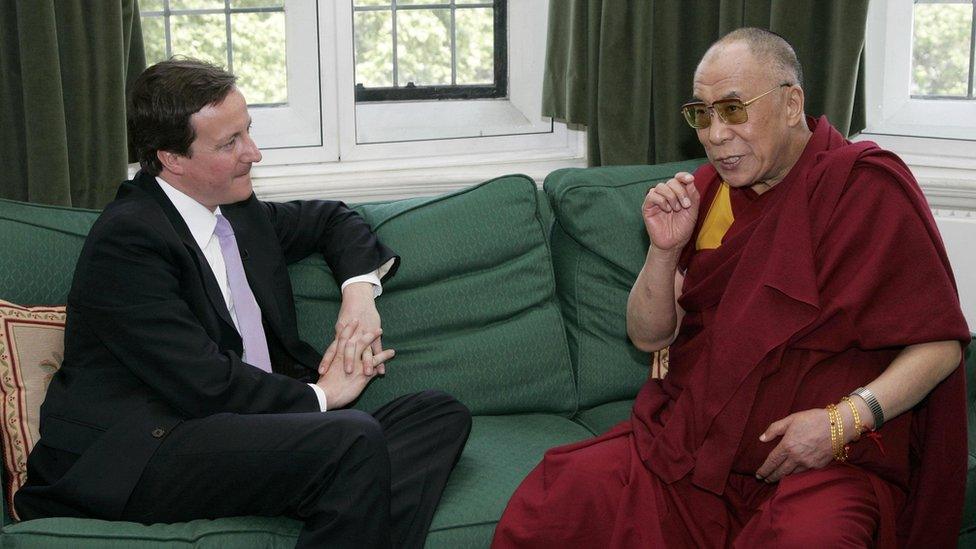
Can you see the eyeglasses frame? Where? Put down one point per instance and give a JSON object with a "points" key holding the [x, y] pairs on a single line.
{"points": [[713, 112]]}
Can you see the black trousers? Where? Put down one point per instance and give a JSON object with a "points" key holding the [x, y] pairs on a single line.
{"points": [[355, 479]]}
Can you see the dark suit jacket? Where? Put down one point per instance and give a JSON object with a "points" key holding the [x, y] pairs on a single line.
{"points": [[149, 341]]}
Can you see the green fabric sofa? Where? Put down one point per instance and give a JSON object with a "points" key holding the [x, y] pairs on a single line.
{"points": [[510, 298]]}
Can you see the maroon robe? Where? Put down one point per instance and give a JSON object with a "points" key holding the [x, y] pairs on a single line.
{"points": [[818, 285]]}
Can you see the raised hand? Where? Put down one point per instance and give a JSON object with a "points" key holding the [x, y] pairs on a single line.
{"points": [[670, 211]]}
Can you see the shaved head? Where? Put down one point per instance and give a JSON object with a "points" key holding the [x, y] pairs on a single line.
{"points": [[767, 47]]}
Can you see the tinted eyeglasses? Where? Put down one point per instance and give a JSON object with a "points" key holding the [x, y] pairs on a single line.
{"points": [[731, 110]]}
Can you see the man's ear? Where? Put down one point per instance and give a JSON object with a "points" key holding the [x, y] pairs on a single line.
{"points": [[171, 161], [794, 106]]}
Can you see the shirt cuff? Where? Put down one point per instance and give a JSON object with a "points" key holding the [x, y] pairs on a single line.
{"points": [[373, 278], [320, 394]]}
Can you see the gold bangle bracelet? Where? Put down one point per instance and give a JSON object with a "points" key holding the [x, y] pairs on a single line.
{"points": [[837, 433], [833, 428], [858, 427], [841, 443]]}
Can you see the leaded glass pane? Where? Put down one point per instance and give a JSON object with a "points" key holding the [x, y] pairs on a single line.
{"points": [[374, 48], [150, 5], [203, 36], [259, 56], [941, 40], [257, 3], [154, 39], [422, 2], [424, 47], [475, 46], [196, 4]]}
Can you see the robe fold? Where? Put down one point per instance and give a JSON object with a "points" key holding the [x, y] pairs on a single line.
{"points": [[817, 285]]}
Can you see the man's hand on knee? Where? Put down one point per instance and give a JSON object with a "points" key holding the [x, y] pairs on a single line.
{"points": [[805, 445]]}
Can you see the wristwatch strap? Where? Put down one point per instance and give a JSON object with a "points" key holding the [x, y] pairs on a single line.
{"points": [[873, 405]]}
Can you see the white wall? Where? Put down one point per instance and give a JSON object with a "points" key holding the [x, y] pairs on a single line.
{"points": [[959, 233]]}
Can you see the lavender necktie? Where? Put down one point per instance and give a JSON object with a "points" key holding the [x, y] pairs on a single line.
{"points": [[245, 306]]}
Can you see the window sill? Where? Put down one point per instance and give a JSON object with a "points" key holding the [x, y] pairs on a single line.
{"points": [[426, 120], [944, 168], [372, 180]]}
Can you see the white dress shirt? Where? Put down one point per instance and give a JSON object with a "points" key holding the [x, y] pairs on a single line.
{"points": [[201, 222]]}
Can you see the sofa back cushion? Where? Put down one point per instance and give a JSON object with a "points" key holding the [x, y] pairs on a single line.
{"points": [[969, 508], [598, 247], [39, 246], [472, 309]]}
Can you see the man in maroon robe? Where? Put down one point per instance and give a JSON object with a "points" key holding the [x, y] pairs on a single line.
{"points": [[815, 270]]}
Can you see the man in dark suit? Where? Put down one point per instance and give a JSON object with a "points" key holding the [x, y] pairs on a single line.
{"points": [[185, 391]]}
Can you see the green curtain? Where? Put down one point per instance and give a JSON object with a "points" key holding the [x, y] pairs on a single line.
{"points": [[622, 68], [64, 66]]}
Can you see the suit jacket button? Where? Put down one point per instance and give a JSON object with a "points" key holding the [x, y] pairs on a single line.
{"points": [[158, 432]]}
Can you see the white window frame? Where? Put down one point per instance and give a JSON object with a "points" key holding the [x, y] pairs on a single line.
{"points": [[894, 110], [402, 164], [297, 124], [942, 155]]}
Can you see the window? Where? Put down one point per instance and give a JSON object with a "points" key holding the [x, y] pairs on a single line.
{"points": [[435, 49], [942, 49], [919, 69], [245, 36], [918, 91], [249, 38], [319, 140]]}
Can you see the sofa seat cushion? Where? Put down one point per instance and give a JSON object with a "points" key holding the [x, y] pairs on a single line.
{"points": [[598, 246], [72, 533], [500, 453], [599, 419], [471, 311]]}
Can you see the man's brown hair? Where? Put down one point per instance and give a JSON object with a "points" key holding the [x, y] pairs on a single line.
{"points": [[161, 102]]}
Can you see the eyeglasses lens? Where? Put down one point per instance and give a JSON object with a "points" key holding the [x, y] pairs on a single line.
{"points": [[697, 115], [732, 112]]}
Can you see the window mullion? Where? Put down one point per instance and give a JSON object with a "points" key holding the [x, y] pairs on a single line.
{"points": [[396, 75], [166, 31], [454, 43], [972, 53], [230, 41]]}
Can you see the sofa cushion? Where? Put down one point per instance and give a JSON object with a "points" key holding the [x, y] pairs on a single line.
{"points": [[600, 419], [72, 533], [31, 350], [39, 247], [969, 509], [500, 452], [472, 309], [598, 247]]}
